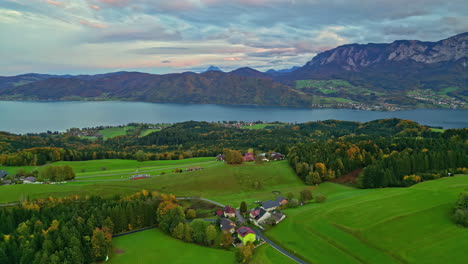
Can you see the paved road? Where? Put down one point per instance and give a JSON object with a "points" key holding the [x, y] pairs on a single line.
{"points": [[257, 231], [9, 204]]}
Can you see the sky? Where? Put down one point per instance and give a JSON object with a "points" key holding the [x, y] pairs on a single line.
{"points": [[163, 36]]}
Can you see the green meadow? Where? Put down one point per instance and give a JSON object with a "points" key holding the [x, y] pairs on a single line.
{"points": [[152, 246], [391, 225], [388, 225], [218, 181]]}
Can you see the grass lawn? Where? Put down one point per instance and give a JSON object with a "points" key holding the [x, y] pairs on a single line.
{"points": [[11, 170], [152, 246], [96, 166], [114, 131], [224, 183], [148, 131], [266, 254], [439, 130], [390, 225]]}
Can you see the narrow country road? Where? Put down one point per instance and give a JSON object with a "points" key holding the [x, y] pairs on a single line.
{"points": [[257, 231]]}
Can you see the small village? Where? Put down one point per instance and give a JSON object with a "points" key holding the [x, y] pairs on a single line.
{"points": [[243, 224]]}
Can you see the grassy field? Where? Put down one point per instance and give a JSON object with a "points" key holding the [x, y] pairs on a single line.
{"points": [[439, 130], [11, 170], [110, 165], [265, 254], [223, 183], [391, 225], [322, 84], [114, 131], [152, 246]]}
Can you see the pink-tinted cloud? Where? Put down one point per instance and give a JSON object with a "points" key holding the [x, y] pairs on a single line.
{"points": [[95, 7], [93, 25], [55, 3], [232, 59]]}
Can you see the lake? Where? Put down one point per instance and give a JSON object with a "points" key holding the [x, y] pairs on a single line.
{"points": [[29, 117]]}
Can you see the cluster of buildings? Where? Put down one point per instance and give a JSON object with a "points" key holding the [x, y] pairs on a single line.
{"points": [[249, 157], [5, 180], [266, 214]]}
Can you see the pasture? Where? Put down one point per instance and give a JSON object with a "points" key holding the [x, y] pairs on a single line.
{"points": [[391, 225], [152, 246], [220, 182]]}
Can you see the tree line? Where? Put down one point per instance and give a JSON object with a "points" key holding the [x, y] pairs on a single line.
{"points": [[386, 161], [73, 229]]}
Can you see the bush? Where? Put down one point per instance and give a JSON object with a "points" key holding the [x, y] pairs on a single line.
{"points": [[293, 203], [320, 198], [306, 195], [409, 180], [191, 214], [460, 212]]}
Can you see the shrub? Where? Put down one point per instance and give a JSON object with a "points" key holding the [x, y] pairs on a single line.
{"points": [[320, 198], [460, 212], [191, 214], [409, 180], [306, 195], [293, 203]]}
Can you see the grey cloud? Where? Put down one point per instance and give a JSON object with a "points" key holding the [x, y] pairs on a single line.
{"points": [[165, 61]]}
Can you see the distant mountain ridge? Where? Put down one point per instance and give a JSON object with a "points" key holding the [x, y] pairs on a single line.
{"points": [[212, 68], [385, 71]]}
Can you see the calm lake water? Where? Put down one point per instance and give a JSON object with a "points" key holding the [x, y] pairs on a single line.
{"points": [[30, 117]]}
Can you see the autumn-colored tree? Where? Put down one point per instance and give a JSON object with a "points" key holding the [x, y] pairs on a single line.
{"points": [[226, 239], [245, 253], [321, 168], [233, 156], [100, 244]]}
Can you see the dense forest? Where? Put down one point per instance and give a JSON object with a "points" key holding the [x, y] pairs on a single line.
{"points": [[72, 230]]}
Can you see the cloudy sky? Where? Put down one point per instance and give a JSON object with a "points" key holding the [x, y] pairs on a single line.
{"points": [[161, 36]]}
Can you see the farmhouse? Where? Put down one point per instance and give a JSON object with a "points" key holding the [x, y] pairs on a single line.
{"points": [[229, 211], [246, 234], [196, 168], [140, 176], [29, 180], [259, 215], [249, 157], [270, 205], [277, 217], [277, 156], [282, 200], [3, 174], [227, 225]]}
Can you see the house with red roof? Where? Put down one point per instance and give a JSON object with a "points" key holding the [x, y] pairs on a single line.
{"points": [[229, 211], [246, 234], [248, 157]]}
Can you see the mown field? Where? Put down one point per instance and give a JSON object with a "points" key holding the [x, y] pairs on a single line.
{"points": [[391, 225], [152, 246], [218, 181]]}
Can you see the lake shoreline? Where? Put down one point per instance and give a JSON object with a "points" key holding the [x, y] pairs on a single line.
{"points": [[21, 117]]}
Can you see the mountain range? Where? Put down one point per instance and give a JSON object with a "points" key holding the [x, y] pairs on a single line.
{"points": [[405, 73]]}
